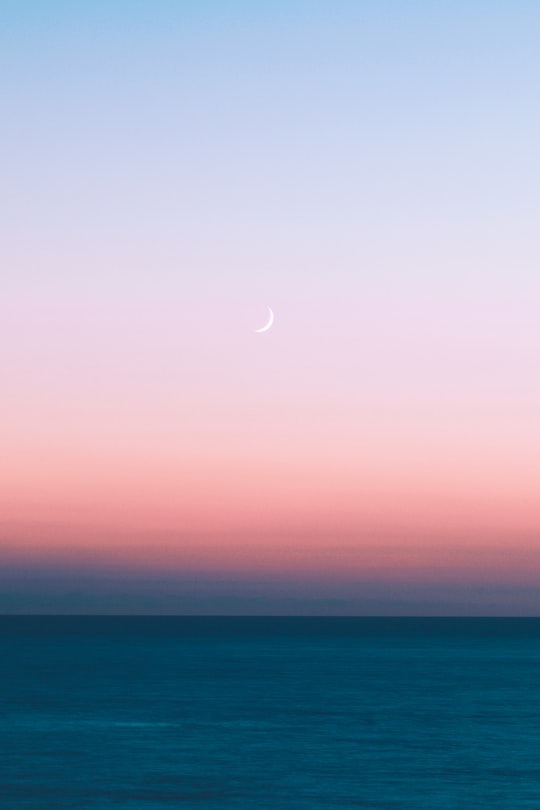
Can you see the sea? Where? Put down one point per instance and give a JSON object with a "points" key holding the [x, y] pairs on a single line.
{"points": [[151, 713]]}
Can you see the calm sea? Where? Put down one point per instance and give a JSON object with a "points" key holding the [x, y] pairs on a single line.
{"points": [[153, 713]]}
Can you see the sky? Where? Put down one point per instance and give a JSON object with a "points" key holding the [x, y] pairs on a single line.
{"points": [[370, 171]]}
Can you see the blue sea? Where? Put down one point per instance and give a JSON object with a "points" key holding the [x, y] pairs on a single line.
{"points": [[149, 713]]}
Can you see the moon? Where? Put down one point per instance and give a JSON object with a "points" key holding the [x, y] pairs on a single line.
{"points": [[267, 326]]}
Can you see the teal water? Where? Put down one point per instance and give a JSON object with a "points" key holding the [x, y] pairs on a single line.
{"points": [[153, 713]]}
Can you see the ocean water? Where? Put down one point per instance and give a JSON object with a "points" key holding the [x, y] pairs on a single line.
{"points": [[153, 713]]}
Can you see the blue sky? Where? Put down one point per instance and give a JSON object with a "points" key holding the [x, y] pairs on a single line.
{"points": [[368, 169]]}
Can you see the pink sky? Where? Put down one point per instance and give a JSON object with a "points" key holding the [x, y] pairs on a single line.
{"points": [[386, 429]]}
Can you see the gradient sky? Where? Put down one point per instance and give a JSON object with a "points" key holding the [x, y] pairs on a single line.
{"points": [[367, 169]]}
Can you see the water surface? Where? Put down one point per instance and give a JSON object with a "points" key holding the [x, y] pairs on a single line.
{"points": [[148, 713]]}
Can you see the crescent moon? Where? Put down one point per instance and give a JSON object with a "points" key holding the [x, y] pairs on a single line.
{"points": [[267, 326]]}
